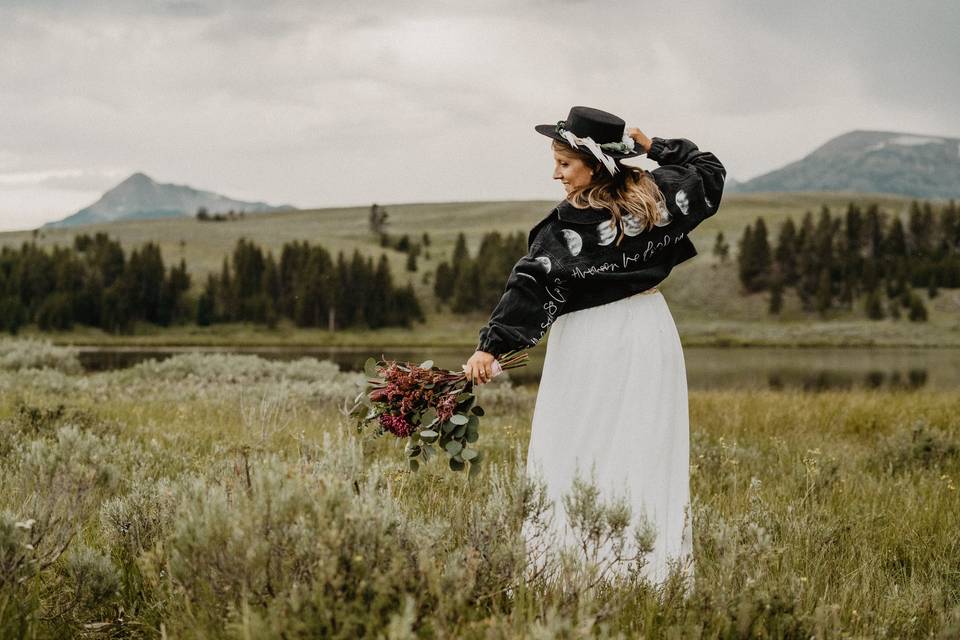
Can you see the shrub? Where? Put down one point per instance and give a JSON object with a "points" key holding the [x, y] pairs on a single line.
{"points": [[20, 354], [920, 446]]}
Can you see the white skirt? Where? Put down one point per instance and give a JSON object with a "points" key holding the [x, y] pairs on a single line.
{"points": [[613, 401]]}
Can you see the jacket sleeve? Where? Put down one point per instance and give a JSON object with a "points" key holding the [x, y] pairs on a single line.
{"points": [[535, 294], [698, 176]]}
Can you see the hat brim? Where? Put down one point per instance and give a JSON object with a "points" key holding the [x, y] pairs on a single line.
{"points": [[550, 131]]}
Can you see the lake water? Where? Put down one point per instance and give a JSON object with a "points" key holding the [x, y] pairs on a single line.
{"points": [[810, 369]]}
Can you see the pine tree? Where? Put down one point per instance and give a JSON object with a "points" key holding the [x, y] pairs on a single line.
{"points": [[380, 303], [870, 279], [920, 225], [271, 280], [785, 254], [494, 262], [932, 290], [824, 293], [12, 314], [854, 230], [918, 311], [873, 306], [825, 232], [776, 294], [744, 255], [248, 268], [226, 303], [895, 244], [755, 261], [721, 248], [205, 303], [851, 256], [466, 287], [808, 268], [378, 218], [443, 282], [460, 255], [761, 250], [950, 226], [176, 284], [874, 232]]}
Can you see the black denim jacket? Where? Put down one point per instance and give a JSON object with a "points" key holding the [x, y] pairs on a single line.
{"points": [[573, 261]]}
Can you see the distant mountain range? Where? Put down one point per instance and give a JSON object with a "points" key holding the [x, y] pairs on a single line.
{"points": [[871, 161], [139, 197], [858, 161]]}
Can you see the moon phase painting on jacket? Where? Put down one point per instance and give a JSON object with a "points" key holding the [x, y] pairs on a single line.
{"points": [[572, 262]]}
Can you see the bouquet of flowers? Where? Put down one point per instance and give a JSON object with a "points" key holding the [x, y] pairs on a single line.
{"points": [[434, 408]]}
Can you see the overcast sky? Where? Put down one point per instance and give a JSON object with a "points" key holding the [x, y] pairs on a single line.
{"points": [[339, 103]]}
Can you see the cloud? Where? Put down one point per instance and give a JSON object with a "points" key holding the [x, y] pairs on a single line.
{"points": [[340, 103], [84, 180]]}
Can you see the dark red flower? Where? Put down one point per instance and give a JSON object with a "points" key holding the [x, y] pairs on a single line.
{"points": [[396, 425]]}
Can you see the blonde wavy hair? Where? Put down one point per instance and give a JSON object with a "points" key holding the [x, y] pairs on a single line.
{"points": [[631, 192]]}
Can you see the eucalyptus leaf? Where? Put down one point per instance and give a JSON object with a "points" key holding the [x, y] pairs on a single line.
{"points": [[447, 427], [465, 396], [474, 469], [459, 418], [460, 431], [473, 422], [472, 436], [469, 454], [456, 465], [477, 411], [414, 464], [370, 368], [453, 447], [428, 434], [426, 364]]}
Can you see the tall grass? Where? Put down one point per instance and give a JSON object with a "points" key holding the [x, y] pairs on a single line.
{"points": [[226, 496]]}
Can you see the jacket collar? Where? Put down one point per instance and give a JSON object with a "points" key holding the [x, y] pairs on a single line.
{"points": [[566, 212]]}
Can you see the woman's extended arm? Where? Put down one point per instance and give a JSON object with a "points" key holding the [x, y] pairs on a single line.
{"points": [[535, 293]]}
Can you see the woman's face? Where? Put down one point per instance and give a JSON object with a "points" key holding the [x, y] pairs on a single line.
{"points": [[570, 170]]}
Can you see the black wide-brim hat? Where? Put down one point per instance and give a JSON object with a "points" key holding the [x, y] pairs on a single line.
{"points": [[601, 126]]}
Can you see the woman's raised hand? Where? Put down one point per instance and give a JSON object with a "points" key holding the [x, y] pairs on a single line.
{"points": [[479, 368], [640, 137]]}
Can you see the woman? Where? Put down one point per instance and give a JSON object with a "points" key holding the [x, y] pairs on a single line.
{"points": [[612, 401]]}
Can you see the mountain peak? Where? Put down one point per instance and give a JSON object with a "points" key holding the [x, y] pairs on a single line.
{"points": [[136, 178], [140, 197], [865, 161]]}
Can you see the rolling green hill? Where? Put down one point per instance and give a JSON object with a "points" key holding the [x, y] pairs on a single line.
{"points": [[704, 295]]}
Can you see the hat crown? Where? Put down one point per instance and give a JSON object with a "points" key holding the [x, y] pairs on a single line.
{"points": [[599, 125]]}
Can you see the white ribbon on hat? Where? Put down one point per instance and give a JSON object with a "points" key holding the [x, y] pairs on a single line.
{"points": [[626, 144]]}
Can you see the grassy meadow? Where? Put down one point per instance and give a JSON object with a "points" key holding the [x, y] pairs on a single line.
{"points": [[704, 294], [227, 496]]}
